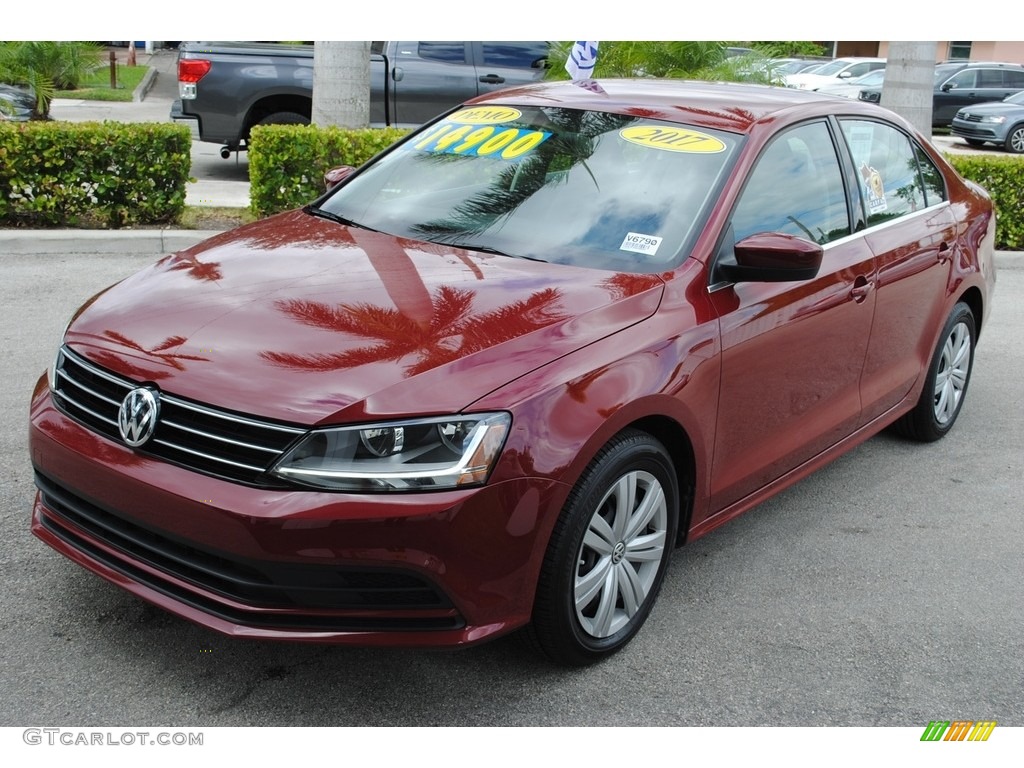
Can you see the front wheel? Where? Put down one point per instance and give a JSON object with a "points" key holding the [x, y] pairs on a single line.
{"points": [[948, 377], [608, 553], [1015, 140]]}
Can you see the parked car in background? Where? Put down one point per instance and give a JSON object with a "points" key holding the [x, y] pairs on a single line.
{"points": [[227, 88], [795, 64], [958, 84], [17, 103], [850, 89], [833, 72], [495, 376], [995, 122]]}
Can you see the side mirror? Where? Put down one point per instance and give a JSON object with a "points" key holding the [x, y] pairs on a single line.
{"points": [[335, 176], [773, 257], [947, 87]]}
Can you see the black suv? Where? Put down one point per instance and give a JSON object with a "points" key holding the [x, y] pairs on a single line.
{"points": [[960, 83]]}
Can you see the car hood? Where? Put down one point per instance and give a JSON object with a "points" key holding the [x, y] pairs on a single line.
{"points": [[308, 321], [994, 108]]}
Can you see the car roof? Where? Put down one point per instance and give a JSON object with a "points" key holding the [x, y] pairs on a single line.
{"points": [[725, 106]]}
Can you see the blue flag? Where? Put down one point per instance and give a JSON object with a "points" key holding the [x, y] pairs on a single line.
{"points": [[582, 58]]}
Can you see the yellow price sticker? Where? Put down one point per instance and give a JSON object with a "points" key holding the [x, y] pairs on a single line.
{"points": [[672, 139]]}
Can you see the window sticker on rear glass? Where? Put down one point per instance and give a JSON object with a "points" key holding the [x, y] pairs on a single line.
{"points": [[672, 139], [874, 189], [639, 243], [485, 115], [465, 134]]}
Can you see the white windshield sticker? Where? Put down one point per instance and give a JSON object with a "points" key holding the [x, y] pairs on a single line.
{"points": [[639, 243]]}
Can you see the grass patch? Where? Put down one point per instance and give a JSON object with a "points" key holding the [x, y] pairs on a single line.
{"points": [[96, 85], [203, 217]]}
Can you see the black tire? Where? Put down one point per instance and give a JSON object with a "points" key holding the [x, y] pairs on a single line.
{"points": [[1015, 140], [948, 376], [581, 616], [974, 142], [284, 118]]}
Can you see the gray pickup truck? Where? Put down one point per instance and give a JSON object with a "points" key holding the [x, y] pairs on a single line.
{"points": [[226, 88]]}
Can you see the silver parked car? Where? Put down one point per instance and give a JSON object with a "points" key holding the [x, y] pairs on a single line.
{"points": [[996, 122], [16, 103]]}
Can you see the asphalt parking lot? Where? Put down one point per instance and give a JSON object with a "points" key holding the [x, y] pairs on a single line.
{"points": [[882, 591]]}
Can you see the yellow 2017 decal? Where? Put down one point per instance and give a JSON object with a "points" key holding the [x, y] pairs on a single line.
{"points": [[672, 139], [481, 140], [485, 115]]}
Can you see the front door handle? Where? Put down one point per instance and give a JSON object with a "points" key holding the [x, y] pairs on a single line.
{"points": [[861, 289]]}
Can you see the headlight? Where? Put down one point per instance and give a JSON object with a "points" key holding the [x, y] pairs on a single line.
{"points": [[421, 454], [994, 119]]}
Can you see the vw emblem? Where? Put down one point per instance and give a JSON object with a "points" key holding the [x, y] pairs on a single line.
{"points": [[136, 418]]}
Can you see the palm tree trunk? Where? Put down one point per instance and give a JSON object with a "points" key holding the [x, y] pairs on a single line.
{"points": [[341, 83]]}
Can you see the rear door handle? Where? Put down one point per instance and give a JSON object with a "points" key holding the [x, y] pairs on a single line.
{"points": [[492, 79]]}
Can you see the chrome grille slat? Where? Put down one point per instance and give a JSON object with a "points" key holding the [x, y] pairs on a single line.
{"points": [[91, 412], [253, 446], [200, 454], [91, 391], [199, 437]]}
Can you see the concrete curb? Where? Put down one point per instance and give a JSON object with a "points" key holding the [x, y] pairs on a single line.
{"points": [[20, 242], [148, 81]]}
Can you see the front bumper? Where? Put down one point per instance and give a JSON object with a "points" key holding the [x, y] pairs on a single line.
{"points": [[432, 569], [969, 129]]}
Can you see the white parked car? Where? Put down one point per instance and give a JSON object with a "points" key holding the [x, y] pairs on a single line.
{"points": [[835, 72], [851, 88]]}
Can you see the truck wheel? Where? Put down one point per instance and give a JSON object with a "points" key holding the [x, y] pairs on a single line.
{"points": [[284, 118]]}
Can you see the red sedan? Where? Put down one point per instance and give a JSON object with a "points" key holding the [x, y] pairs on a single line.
{"points": [[496, 375]]}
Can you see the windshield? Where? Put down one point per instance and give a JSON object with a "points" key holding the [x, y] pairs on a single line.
{"points": [[832, 68], [871, 78], [1017, 98], [560, 185]]}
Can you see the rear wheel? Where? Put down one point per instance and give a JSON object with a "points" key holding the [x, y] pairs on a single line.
{"points": [[1015, 139], [948, 377], [284, 118], [608, 553]]}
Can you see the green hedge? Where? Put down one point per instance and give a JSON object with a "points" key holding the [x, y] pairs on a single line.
{"points": [[56, 174], [1003, 177], [287, 162]]}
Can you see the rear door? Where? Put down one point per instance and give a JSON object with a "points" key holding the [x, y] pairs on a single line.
{"points": [[912, 232], [502, 64]]}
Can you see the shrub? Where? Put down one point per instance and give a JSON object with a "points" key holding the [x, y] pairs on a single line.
{"points": [[88, 174], [1003, 178], [287, 162]]}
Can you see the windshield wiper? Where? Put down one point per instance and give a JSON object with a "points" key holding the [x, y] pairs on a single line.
{"points": [[492, 251], [322, 214]]}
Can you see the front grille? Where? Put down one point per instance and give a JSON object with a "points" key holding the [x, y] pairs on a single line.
{"points": [[282, 595], [208, 440]]}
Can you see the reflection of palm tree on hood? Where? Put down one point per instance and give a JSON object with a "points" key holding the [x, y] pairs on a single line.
{"points": [[574, 139], [452, 331]]}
